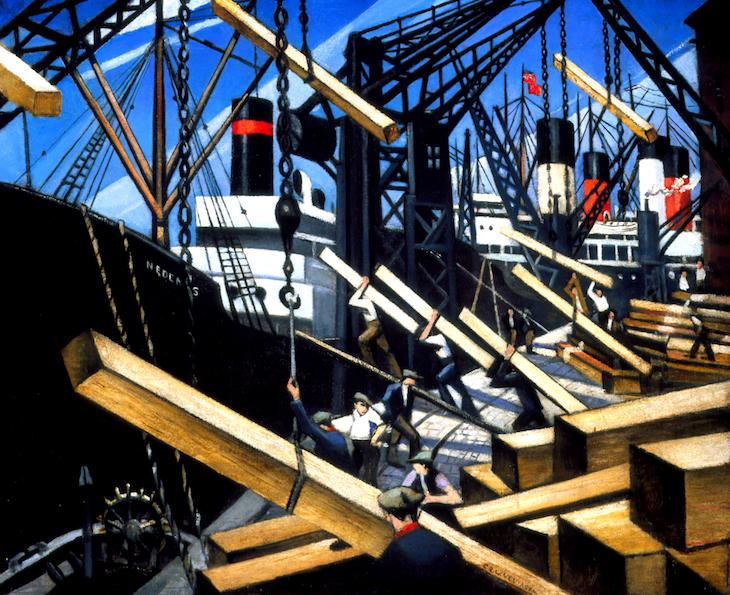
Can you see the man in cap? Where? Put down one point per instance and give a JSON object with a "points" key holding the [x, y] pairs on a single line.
{"points": [[417, 561], [396, 408], [365, 454], [448, 376], [330, 444], [527, 329], [439, 495]]}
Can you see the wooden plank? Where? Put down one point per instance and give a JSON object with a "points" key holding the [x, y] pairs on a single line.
{"points": [[602, 551], [672, 331], [588, 366], [720, 350], [679, 372], [536, 546], [26, 88], [681, 490], [235, 447], [539, 378], [479, 483], [423, 394], [564, 261], [640, 127], [420, 305], [232, 578], [720, 301], [594, 440], [364, 113], [709, 568], [581, 320], [710, 314], [354, 279], [261, 539], [565, 496], [524, 460]]}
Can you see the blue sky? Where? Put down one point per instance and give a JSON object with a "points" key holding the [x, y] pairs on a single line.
{"points": [[329, 24]]}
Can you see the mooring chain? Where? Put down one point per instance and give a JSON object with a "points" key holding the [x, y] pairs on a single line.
{"points": [[182, 547], [287, 217], [563, 53], [135, 289], [304, 20], [102, 271], [546, 110], [619, 123]]}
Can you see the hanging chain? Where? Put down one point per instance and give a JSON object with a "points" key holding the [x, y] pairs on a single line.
{"points": [[544, 52], [304, 20], [607, 59], [185, 213], [563, 53], [619, 124]]}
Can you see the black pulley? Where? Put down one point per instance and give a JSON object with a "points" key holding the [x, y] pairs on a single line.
{"points": [[312, 138], [288, 216], [653, 150], [595, 166], [555, 142], [676, 162]]}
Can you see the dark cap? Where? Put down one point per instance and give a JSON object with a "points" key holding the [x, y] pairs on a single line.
{"points": [[362, 398], [425, 457], [322, 417], [400, 499], [411, 374]]}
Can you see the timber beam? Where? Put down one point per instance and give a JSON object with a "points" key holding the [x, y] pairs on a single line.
{"points": [[420, 305], [558, 258], [582, 321], [640, 127], [365, 114], [241, 450], [26, 88], [424, 394], [537, 377]]}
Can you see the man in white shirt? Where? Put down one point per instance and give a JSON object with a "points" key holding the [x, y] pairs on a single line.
{"points": [[364, 422], [374, 331], [600, 303], [683, 281], [700, 277]]}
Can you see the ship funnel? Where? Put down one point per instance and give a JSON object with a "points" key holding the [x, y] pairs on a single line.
{"points": [[651, 175], [252, 151], [556, 167], [595, 181], [676, 183]]}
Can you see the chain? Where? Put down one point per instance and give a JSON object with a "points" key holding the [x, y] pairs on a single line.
{"points": [[135, 288], [185, 213], [619, 124], [544, 52], [104, 278], [607, 59], [304, 20], [182, 547], [563, 53]]}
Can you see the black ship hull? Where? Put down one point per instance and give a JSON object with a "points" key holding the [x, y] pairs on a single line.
{"points": [[56, 291]]}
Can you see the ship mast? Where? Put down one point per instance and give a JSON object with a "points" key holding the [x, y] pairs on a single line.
{"points": [[160, 224]]}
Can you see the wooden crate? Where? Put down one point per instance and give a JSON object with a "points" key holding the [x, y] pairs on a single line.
{"points": [[524, 460], [479, 483], [681, 490], [536, 547], [700, 572], [592, 440], [603, 553]]}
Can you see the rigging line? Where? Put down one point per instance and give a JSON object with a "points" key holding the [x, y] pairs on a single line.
{"points": [[92, 120]]}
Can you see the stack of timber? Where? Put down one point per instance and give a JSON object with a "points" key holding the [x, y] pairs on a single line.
{"points": [[632, 498], [665, 333]]}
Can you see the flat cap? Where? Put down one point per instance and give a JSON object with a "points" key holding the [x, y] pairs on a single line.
{"points": [[424, 457], [322, 417], [411, 374], [362, 398], [400, 498]]}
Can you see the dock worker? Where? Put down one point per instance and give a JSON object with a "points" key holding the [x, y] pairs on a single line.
{"points": [[600, 304], [373, 331], [365, 455], [504, 377], [701, 277], [439, 495], [396, 408], [511, 322], [703, 337], [416, 561], [683, 281], [528, 330], [448, 376], [330, 444]]}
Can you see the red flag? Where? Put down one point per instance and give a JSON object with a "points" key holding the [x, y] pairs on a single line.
{"points": [[528, 77], [534, 89]]}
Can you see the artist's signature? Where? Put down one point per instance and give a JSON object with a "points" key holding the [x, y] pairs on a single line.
{"points": [[166, 275]]}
